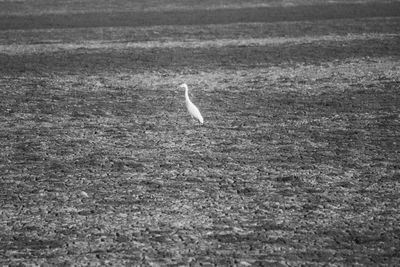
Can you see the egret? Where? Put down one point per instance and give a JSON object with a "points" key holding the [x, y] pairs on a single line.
{"points": [[193, 110]]}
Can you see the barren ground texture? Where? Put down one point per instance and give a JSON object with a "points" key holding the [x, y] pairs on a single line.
{"points": [[298, 162]]}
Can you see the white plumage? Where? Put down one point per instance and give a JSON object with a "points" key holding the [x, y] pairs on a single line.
{"points": [[193, 110]]}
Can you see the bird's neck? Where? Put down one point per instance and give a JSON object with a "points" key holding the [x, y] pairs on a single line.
{"points": [[187, 94]]}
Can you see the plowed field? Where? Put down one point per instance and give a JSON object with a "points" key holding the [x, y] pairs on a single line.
{"points": [[297, 163]]}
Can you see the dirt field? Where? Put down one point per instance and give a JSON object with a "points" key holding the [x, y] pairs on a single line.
{"points": [[298, 162]]}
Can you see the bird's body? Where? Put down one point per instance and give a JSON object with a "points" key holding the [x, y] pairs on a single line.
{"points": [[193, 110]]}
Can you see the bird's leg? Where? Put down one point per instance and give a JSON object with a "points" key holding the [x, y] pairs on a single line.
{"points": [[188, 120]]}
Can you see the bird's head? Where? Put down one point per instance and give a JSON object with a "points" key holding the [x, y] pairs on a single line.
{"points": [[183, 85]]}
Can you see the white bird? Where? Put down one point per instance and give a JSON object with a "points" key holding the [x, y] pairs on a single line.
{"points": [[193, 110]]}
